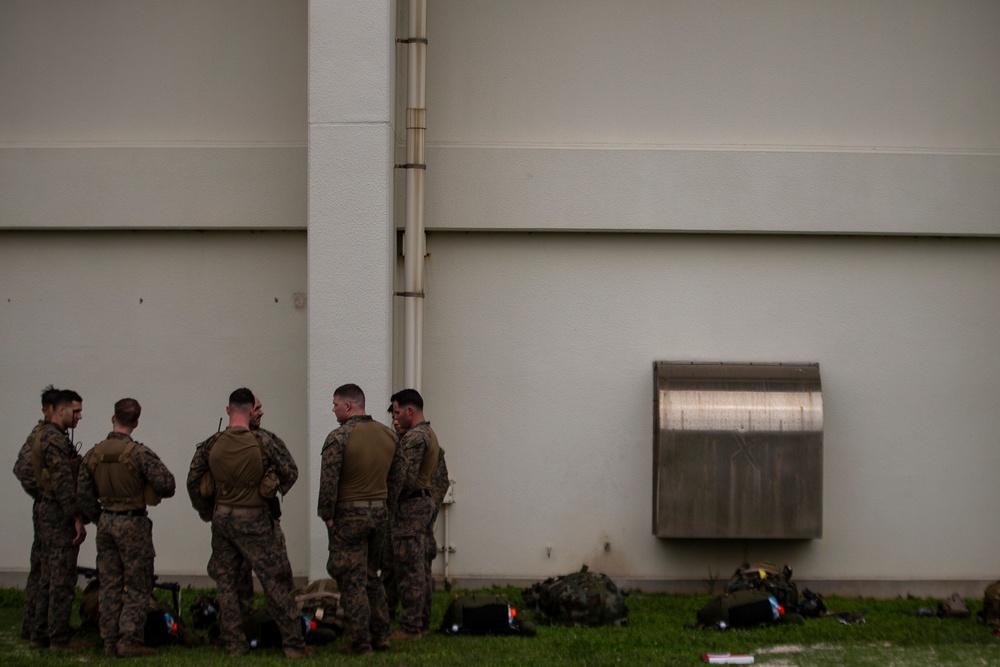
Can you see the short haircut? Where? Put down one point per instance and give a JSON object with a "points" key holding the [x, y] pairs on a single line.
{"points": [[352, 393], [49, 395], [66, 397], [241, 397], [127, 412], [408, 397]]}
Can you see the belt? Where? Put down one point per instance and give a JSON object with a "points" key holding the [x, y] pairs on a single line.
{"points": [[359, 504], [239, 511], [419, 493], [136, 512]]}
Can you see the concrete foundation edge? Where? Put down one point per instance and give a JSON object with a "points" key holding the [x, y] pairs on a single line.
{"points": [[870, 588]]}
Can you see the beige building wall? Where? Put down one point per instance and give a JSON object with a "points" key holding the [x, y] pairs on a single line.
{"points": [[717, 180]]}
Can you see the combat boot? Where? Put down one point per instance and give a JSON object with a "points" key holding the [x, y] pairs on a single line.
{"points": [[133, 651], [402, 635]]}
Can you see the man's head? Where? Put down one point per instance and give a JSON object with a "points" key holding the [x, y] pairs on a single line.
{"points": [[127, 413], [240, 407], [395, 424], [48, 396], [407, 409], [67, 409], [256, 413], [348, 401]]}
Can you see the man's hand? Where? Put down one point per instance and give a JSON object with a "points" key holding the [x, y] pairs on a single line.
{"points": [[81, 531], [329, 523]]}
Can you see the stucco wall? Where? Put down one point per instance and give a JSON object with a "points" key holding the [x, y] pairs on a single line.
{"points": [[176, 320]]}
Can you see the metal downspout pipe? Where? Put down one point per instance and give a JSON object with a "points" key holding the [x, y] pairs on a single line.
{"points": [[413, 233], [414, 240]]}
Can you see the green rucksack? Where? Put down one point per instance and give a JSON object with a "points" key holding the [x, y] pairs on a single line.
{"points": [[579, 599], [766, 576], [484, 614]]}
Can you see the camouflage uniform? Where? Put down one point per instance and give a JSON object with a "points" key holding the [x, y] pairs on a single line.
{"points": [[359, 531], [25, 473], [439, 487], [242, 535], [244, 589], [411, 522], [57, 510], [124, 540]]}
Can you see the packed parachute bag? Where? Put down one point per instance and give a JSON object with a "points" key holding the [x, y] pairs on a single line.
{"points": [[579, 599], [484, 614], [766, 576], [742, 609], [319, 604]]}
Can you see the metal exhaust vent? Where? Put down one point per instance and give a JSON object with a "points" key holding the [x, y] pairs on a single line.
{"points": [[737, 450]]}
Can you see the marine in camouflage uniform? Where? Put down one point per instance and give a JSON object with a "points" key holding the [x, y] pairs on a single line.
{"points": [[60, 524], [414, 516], [242, 527], [439, 487], [360, 476], [112, 489], [245, 592], [25, 473]]}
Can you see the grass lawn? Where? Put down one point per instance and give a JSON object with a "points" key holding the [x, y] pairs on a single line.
{"points": [[892, 636]]}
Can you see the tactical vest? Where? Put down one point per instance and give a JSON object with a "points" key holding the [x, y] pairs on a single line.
{"points": [[117, 477], [38, 461], [237, 465], [429, 463], [367, 458]]}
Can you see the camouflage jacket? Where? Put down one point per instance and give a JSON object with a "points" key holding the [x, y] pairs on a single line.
{"points": [[440, 482], [333, 459], [23, 468], [282, 459], [62, 461], [416, 444], [149, 466]]}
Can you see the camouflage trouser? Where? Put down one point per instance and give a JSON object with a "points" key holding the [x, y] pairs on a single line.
{"points": [[252, 538], [409, 537], [430, 553], [125, 569], [244, 588], [356, 541], [31, 586], [387, 572], [57, 580]]}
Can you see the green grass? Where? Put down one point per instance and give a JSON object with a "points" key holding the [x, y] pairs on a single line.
{"points": [[892, 636]]}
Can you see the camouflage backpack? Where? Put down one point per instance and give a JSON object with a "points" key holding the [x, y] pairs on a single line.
{"points": [[766, 576], [578, 599], [990, 614], [319, 605]]}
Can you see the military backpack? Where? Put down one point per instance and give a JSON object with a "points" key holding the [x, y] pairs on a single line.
{"points": [[768, 577], [740, 609], [991, 605], [483, 614], [582, 598]]}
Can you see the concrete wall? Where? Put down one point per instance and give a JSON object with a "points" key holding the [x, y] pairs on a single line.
{"points": [[176, 320], [539, 385]]}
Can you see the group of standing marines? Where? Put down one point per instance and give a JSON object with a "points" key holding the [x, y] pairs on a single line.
{"points": [[379, 493]]}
